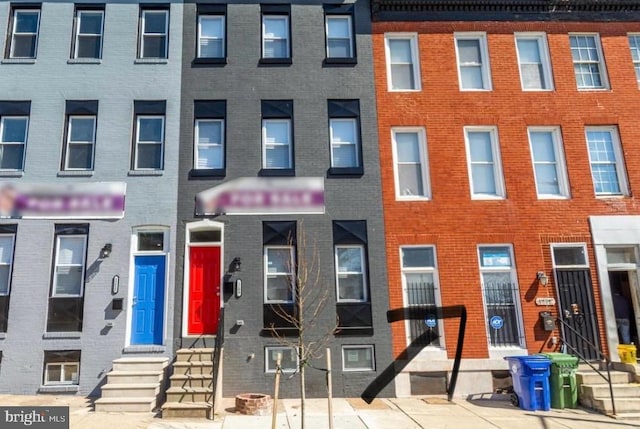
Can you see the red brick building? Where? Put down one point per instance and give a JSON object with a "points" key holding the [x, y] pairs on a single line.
{"points": [[509, 155]]}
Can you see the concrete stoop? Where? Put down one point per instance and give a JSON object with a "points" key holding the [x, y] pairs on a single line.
{"points": [[133, 385], [594, 392], [191, 391]]}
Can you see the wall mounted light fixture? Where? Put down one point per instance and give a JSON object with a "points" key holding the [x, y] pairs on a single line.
{"points": [[105, 251], [542, 278], [235, 265]]}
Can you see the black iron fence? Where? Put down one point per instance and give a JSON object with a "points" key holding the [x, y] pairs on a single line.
{"points": [[421, 297], [502, 314]]}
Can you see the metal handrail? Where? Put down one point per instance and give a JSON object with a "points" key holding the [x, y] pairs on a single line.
{"points": [[215, 358], [598, 352]]}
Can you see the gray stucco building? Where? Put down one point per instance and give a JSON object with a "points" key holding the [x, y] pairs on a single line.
{"points": [[89, 111], [279, 148]]}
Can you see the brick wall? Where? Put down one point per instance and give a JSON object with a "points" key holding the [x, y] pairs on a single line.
{"points": [[455, 223]]}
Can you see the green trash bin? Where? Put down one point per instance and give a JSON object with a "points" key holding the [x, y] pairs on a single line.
{"points": [[562, 381]]}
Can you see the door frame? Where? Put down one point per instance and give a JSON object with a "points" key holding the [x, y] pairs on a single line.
{"points": [[201, 225], [131, 284]]}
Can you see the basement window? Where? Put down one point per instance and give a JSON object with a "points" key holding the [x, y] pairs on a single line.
{"points": [[61, 367]]}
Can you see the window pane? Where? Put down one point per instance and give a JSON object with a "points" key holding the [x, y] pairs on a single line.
{"points": [[277, 132], [6, 250], [70, 373], [414, 257], [532, 76], [279, 288], [154, 47], [408, 147], [150, 129], [339, 48], [402, 76], [209, 157], [210, 48], [349, 259], [569, 256], [211, 26], [634, 44], [420, 289], [469, 51], [14, 130], [495, 257], [80, 156], [277, 157], [618, 255], [338, 27], [70, 250], [26, 21], [209, 132], [82, 129], [351, 287], [149, 156], [205, 236], [601, 146], [275, 27], [343, 131], [410, 178], [358, 358], [542, 146], [150, 241], [288, 359], [88, 47], [275, 49], [279, 261], [5, 272], [344, 156], [529, 51], [471, 77], [90, 22], [155, 22], [547, 179], [68, 280], [484, 181], [54, 373], [11, 157], [24, 46], [480, 146], [400, 50]]}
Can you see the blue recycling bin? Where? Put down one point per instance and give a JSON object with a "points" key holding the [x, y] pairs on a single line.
{"points": [[530, 375]]}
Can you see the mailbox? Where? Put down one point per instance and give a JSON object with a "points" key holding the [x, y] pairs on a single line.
{"points": [[548, 321]]}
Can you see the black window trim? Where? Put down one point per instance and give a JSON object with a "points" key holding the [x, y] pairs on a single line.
{"points": [[281, 10], [278, 109], [148, 108], [347, 108], [341, 9], [144, 7], [210, 109], [79, 108], [204, 9], [82, 7], [14, 6]]}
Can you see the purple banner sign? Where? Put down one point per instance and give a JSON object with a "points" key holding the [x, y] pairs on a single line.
{"points": [[263, 195], [97, 200]]}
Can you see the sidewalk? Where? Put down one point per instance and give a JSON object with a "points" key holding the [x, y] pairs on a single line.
{"points": [[351, 413]]}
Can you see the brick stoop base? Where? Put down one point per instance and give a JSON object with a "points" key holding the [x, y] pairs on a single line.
{"points": [[254, 404]]}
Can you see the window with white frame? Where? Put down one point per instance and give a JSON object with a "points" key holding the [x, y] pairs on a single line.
{"points": [[501, 296], [24, 33], [89, 30], [276, 144], [149, 146], [634, 45], [411, 165], [485, 170], [80, 144], [344, 142], [154, 32], [533, 61], [473, 61], [339, 32], [209, 151], [275, 36], [288, 359], [6, 262], [403, 67], [13, 141], [69, 268], [569, 255], [211, 36], [350, 273], [358, 358], [421, 291], [549, 168], [61, 367], [279, 274], [607, 164], [150, 241], [588, 63]]}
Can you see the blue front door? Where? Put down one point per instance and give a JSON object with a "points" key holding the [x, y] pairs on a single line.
{"points": [[148, 300]]}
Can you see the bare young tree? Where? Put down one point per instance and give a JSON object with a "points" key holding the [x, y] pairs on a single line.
{"points": [[310, 298]]}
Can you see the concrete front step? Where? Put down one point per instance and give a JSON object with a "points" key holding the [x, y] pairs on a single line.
{"points": [[134, 377], [149, 390], [631, 390], [200, 410], [194, 355], [192, 380], [623, 405], [127, 405], [592, 377], [198, 367], [141, 364], [189, 394]]}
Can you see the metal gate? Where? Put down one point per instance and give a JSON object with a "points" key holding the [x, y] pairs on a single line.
{"points": [[577, 309]]}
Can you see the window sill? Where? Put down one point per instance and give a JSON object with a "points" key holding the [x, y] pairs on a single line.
{"points": [[144, 349], [405, 90], [73, 388], [84, 61], [553, 197], [19, 61], [207, 173], [345, 172], [593, 89], [275, 61], [3, 335], [145, 172], [151, 61], [11, 173], [209, 61], [611, 196], [70, 335], [476, 89], [339, 62], [412, 199], [79, 173], [488, 198], [277, 172]]}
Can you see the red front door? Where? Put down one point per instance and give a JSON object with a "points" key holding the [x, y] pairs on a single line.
{"points": [[204, 290]]}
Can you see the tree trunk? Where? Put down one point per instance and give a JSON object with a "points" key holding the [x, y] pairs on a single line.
{"points": [[302, 388]]}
